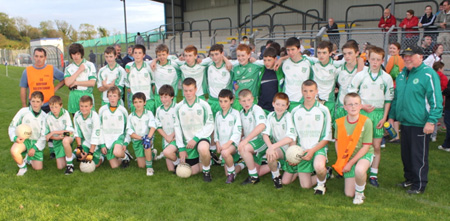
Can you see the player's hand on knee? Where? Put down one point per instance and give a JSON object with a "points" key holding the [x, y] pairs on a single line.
{"points": [[104, 151], [381, 124], [308, 155], [183, 156], [31, 152], [191, 144], [347, 168]]}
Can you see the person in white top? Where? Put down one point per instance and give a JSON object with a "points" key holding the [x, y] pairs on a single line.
{"points": [[438, 50]]}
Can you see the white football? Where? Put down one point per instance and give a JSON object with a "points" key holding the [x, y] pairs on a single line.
{"points": [[294, 154], [184, 170], [87, 167], [23, 131]]}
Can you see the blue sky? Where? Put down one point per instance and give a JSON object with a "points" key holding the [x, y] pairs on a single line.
{"points": [[142, 15]]}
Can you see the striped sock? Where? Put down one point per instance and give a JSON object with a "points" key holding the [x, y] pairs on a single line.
{"points": [[206, 168], [253, 173], [360, 189], [231, 169], [373, 172], [149, 164], [69, 161], [22, 166]]}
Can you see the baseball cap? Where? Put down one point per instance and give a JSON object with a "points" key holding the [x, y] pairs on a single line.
{"points": [[411, 50]]}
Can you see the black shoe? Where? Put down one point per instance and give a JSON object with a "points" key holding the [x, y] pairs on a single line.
{"points": [[330, 173], [69, 170], [250, 180], [175, 170], [405, 184], [207, 177], [230, 178], [216, 159], [414, 192], [125, 164], [52, 156], [277, 182], [374, 181]]}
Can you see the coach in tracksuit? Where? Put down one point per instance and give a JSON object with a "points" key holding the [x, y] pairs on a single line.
{"points": [[417, 105]]}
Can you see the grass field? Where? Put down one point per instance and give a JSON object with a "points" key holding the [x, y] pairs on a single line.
{"points": [[129, 194]]}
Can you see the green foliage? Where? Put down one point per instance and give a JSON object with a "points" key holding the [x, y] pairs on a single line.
{"points": [[121, 194]]}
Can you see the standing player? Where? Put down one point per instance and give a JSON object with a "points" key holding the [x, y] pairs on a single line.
{"points": [[271, 81], [376, 89], [113, 120], [194, 124], [312, 122], [80, 77], [112, 74], [33, 117]]}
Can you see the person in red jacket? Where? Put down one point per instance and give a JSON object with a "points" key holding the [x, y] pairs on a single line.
{"points": [[386, 22], [409, 25]]}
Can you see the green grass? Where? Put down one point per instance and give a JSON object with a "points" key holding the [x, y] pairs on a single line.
{"points": [[129, 194]]}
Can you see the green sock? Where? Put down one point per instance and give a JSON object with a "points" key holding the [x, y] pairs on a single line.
{"points": [[149, 164]]}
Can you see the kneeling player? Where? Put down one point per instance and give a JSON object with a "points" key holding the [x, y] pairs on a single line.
{"points": [[194, 125], [113, 118], [354, 158], [279, 133], [227, 134], [312, 123], [33, 117]]}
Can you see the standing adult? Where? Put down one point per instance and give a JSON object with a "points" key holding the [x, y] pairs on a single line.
{"points": [[139, 39], [426, 46], [438, 50], [118, 49], [233, 48], [92, 58], [386, 22], [417, 105], [443, 20], [129, 57], [427, 22], [409, 25], [333, 32], [40, 77]]}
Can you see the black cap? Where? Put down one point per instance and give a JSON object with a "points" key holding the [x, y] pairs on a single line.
{"points": [[411, 50]]}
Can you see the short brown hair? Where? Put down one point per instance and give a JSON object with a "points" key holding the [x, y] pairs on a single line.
{"points": [[438, 65], [75, 48], [55, 100], [191, 48], [166, 90], [244, 47], [325, 45], [110, 50], [245, 93], [162, 48], [113, 89], [376, 50], [190, 81], [352, 94], [139, 95], [38, 95], [281, 96], [216, 47], [351, 45], [86, 99], [309, 83]]}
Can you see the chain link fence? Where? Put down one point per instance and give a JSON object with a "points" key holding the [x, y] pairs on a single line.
{"points": [[24, 57]]}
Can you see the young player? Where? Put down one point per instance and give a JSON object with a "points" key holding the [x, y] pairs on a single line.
{"points": [[376, 89], [166, 72], [58, 127], [164, 118], [279, 133], [113, 120], [345, 75], [33, 146], [271, 81], [87, 132], [139, 77], [194, 124], [354, 158], [312, 122], [141, 128], [227, 134], [80, 77], [252, 147], [110, 75]]}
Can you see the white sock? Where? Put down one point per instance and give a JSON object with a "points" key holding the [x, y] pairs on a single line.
{"points": [[374, 170], [242, 165], [230, 169], [69, 159], [176, 162], [321, 183], [213, 147], [206, 168], [126, 157], [276, 173], [254, 171], [23, 165], [360, 189]]}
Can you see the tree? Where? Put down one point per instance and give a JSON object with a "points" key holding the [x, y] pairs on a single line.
{"points": [[102, 32], [8, 27], [22, 25], [63, 27], [87, 31], [47, 28]]}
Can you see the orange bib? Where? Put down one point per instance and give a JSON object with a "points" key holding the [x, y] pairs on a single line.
{"points": [[347, 143], [41, 80]]}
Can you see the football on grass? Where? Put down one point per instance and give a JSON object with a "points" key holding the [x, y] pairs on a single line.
{"points": [[87, 167], [184, 170]]}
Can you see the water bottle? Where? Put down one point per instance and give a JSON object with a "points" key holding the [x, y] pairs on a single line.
{"points": [[390, 129]]}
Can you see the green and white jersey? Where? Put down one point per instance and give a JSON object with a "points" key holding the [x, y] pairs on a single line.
{"points": [[254, 117], [139, 80], [169, 74], [117, 74], [375, 89], [277, 129], [311, 126], [88, 129], [295, 73], [198, 72], [27, 116], [57, 123], [218, 79], [112, 124], [192, 122], [140, 124], [89, 73], [165, 119], [228, 127], [325, 77], [247, 77], [344, 80]]}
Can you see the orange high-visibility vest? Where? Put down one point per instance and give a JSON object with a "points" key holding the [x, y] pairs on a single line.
{"points": [[41, 80], [346, 144]]}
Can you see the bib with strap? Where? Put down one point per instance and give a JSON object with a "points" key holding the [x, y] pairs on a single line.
{"points": [[41, 80], [347, 143]]}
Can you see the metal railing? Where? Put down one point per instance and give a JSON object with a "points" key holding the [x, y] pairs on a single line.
{"points": [[181, 37], [362, 6]]}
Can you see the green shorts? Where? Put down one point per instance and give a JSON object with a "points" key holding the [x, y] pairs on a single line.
{"points": [[376, 115], [97, 154], [138, 148], [74, 100], [149, 105], [293, 104], [59, 149], [110, 153], [259, 147], [308, 166], [330, 105], [215, 106], [193, 153], [38, 155], [165, 144], [351, 173]]}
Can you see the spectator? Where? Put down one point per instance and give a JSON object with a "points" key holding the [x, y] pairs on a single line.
{"points": [[439, 68], [333, 32], [442, 20], [139, 39], [427, 41], [253, 49], [446, 93], [118, 49], [426, 21], [394, 66], [245, 40], [386, 22], [438, 50], [233, 48], [264, 48], [129, 57], [92, 57], [409, 25]]}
